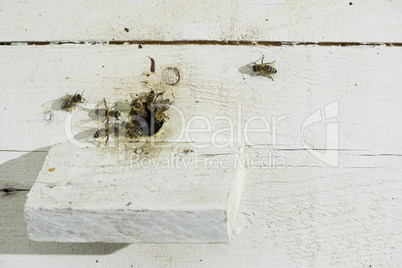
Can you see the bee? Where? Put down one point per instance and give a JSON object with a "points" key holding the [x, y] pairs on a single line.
{"points": [[158, 118], [146, 115], [264, 68], [132, 129], [159, 110], [104, 132], [71, 101], [165, 104], [107, 113], [142, 97], [159, 115], [138, 108], [151, 98], [156, 121], [152, 69]]}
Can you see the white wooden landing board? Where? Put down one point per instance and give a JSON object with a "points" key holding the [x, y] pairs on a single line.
{"points": [[160, 193]]}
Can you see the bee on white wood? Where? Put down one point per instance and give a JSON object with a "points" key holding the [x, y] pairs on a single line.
{"points": [[263, 68], [164, 105], [105, 132], [71, 101], [107, 112]]}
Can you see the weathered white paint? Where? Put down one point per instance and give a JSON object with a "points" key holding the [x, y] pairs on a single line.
{"points": [[211, 85], [274, 20], [305, 214], [154, 193], [291, 217]]}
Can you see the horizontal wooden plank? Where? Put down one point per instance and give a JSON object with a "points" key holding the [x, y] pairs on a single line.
{"points": [[14, 238], [274, 20], [21, 171], [306, 213], [360, 84], [81, 191], [351, 215]]}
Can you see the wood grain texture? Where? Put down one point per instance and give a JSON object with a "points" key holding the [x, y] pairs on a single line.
{"points": [[327, 217], [14, 238], [274, 20], [163, 195], [308, 79], [305, 213]]}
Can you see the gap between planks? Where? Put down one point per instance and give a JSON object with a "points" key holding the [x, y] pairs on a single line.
{"points": [[200, 42]]}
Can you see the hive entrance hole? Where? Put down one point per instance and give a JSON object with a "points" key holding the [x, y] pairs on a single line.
{"points": [[148, 126]]}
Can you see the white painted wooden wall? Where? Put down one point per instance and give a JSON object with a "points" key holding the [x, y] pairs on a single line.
{"points": [[305, 214]]}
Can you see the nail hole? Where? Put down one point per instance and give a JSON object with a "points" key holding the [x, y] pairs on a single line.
{"points": [[48, 117]]}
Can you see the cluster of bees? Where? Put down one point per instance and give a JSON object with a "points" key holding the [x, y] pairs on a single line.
{"points": [[146, 116], [147, 113]]}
